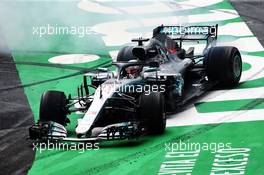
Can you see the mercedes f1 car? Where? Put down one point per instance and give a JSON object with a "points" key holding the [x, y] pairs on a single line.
{"points": [[149, 81]]}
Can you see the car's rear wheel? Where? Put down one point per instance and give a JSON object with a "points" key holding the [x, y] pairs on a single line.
{"points": [[152, 111], [224, 64], [53, 107]]}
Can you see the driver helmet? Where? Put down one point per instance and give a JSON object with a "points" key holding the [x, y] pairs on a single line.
{"points": [[133, 71]]}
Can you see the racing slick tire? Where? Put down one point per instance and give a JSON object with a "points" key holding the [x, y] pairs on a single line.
{"points": [[224, 64], [53, 107], [152, 111]]}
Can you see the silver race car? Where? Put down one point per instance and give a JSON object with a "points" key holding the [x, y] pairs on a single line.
{"points": [[148, 81]]}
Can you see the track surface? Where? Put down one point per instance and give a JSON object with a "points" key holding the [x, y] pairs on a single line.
{"points": [[251, 11], [15, 117], [146, 157]]}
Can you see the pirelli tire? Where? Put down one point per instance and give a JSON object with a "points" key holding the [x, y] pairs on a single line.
{"points": [[151, 110], [53, 107], [224, 64]]}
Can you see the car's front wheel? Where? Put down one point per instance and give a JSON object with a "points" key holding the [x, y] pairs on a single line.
{"points": [[53, 107], [152, 111]]}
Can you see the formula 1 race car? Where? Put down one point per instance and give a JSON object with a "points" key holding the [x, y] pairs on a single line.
{"points": [[150, 80]]}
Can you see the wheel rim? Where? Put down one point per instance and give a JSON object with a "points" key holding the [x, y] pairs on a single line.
{"points": [[237, 66]]}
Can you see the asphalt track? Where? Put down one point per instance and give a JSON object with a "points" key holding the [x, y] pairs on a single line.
{"points": [[15, 116], [252, 13]]}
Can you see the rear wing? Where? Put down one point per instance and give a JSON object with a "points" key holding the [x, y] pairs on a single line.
{"points": [[181, 33]]}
